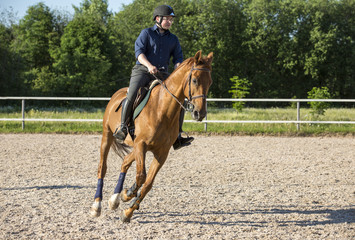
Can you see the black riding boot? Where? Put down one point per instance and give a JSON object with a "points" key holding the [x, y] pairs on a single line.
{"points": [[121, 134], [180, 141]]}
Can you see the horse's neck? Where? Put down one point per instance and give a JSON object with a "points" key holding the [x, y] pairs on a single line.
{"points": [[168, 106], [176, 81]]}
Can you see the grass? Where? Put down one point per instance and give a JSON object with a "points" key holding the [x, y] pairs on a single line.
{"points": [[333, 114], [52, 127]]}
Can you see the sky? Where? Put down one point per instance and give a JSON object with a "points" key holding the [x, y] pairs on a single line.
{"points": [[20, 6]]}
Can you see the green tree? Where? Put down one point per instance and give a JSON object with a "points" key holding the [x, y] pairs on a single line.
{"points": [[83, 64], [338, 72], [272, 39], [32, 36], [325, 43], [282, 47], [32, 43], [318, 108], [217, 26], [10, 67], [240, 89]]}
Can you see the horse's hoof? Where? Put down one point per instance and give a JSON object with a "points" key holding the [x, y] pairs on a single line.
{"points": [[95, 210], [114, 201], [123, 217]]}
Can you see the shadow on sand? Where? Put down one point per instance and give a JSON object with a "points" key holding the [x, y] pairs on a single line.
{"points": [[333, 217], [45, 187]]}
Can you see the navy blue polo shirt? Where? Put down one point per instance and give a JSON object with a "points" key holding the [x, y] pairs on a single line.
{"points": [[158, 48]]}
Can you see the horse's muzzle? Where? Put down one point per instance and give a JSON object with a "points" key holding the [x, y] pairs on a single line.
{"points": [[198, 115]]}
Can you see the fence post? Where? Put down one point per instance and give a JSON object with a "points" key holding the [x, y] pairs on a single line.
{"points": [[23, 114], [206, 118], [298, 115]]}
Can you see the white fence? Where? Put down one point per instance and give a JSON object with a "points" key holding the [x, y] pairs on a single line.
{"points": [[298, 120]]}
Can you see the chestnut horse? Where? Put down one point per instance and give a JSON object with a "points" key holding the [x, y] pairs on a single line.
{"points": [[156, 129]]}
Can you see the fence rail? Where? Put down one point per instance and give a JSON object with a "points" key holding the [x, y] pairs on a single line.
{"points": [[298, 120]]}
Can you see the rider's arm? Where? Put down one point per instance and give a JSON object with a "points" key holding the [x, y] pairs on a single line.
{"points": [[143, 60], [140, 48]]}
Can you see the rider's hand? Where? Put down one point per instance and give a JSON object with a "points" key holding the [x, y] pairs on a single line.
{"points": [[152, 69]]}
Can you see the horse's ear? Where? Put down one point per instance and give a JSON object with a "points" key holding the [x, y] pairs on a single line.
{"points": [[198, 57], [210, 58]]}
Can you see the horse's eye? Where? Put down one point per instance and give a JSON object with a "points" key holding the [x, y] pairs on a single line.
{"points": [[194, 81]]}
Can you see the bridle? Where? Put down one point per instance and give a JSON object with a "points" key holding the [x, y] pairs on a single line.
{"points": [[188, 81]]}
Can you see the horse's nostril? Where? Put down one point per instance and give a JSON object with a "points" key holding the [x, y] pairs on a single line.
{"points": [[196, 114]]}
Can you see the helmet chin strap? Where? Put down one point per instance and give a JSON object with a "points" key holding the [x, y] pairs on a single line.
{"points": [[160, 27], [159, 23]]}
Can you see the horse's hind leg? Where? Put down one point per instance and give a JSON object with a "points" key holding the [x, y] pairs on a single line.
{"points": [[106, 142], [154, 168]]}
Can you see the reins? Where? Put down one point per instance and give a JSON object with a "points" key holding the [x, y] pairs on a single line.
{"points": [[188, 80], [175, 98]]}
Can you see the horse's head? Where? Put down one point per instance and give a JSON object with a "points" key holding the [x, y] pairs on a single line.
{"points": [[198, 82]]}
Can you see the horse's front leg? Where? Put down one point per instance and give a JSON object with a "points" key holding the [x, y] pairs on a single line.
{"points": [[114, 201], [106, 142], [155, 166], [139, 153]]}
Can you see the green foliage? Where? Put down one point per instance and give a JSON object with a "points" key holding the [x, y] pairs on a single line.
{"points": [[32, 36], [46, 82], [318, 108], [34, 39], [282, 47], [10, 66], [83, 64], [293, 46], [293, 104], [240, 89], [217, 26]]}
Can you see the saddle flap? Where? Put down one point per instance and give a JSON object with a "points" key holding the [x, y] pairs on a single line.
{"points": [[143, 99], [141, 93]]}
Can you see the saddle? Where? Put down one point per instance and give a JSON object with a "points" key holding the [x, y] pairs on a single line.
{"points": [[142, 93], [141, 100]]}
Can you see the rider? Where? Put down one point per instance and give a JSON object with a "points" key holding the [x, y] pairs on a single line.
{"points": [[153, 49]]}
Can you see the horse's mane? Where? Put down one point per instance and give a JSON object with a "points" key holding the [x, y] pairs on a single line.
{"points": [[184, 63], [191, 60]]}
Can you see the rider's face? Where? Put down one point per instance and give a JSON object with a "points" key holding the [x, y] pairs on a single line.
{"points": [[167, 22]]}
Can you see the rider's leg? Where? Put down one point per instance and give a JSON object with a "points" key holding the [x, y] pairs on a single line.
{"points": [[180, 141], [126, 113], [139, 77]]}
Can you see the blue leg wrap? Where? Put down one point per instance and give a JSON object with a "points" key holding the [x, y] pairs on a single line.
{"points": [[119, 185], [100, 185], [131, 191], [136, 201]]}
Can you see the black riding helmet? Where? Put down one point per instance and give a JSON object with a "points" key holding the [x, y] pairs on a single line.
{"points": [[163, 10]]}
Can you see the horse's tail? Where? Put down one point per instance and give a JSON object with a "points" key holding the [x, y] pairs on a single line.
{"points": [[120, 149]]}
